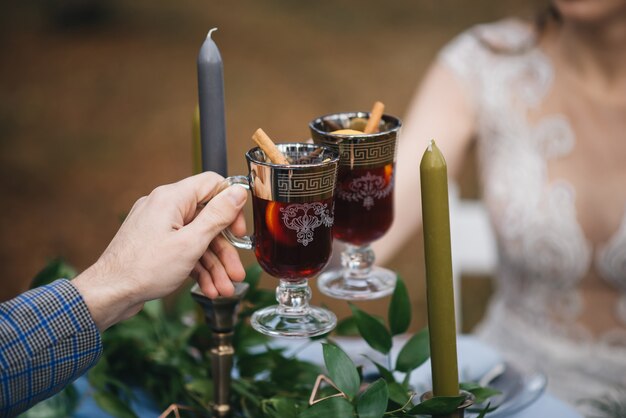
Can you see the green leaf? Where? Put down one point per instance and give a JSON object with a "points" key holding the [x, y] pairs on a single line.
{"points": [[97, 375], [253, 276], [415, 352], [373, 402], [341, 370], [281, 407], [373, 332], [398, 393], [290, 373], [347, 327], [201, 386], [484, 411], [399, 309], [55, 269], [63, 404], [332, 407], [469, 386], [480, 393], [121, 389], [250, 365], [246, 391], [113, 405], [440, 405], [304, 373], [139, 329], [182, 305], [247, 337], [384, 372], [154, 309]]}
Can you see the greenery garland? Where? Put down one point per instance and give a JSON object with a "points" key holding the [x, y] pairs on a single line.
{"points": [[164, 353]]}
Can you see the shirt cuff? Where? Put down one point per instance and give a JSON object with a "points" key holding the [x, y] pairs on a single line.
{"points": [[47, 339]]}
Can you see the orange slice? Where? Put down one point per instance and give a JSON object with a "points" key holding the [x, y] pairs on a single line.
{"points": [[347, 132], [275, 225], [388, 173]]}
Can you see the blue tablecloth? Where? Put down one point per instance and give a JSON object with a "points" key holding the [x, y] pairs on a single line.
{"points": [[475, 359]]}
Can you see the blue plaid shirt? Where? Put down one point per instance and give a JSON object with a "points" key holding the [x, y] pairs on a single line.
{"points": [[47, 339]]}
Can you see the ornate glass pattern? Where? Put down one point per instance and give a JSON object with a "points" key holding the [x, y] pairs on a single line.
{"points": [[367, 188], [304, 218]]}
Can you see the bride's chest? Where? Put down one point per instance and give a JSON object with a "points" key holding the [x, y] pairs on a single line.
{"points": [[555, 185], [595, 165]]}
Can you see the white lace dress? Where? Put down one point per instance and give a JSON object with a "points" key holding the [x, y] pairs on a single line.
{"points": [[543, 252]]}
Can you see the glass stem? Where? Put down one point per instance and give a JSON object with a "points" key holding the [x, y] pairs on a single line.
{"points": [[293, 297], [357, 262]]}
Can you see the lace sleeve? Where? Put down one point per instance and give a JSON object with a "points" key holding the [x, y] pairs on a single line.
{"points": [[478, 54], [465, 55]]}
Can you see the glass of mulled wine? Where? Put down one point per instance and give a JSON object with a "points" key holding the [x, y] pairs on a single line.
{"points": [[292, 240], [363, 201]]}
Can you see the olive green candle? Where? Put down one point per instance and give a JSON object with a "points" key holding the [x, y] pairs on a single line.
{"points": [[438, 257]]}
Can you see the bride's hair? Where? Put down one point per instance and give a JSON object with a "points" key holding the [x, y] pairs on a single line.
{"points": [[542, 20], [546, 16]]}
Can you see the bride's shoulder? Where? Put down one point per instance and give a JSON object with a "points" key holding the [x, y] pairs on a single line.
{"points": [[511, 36]]}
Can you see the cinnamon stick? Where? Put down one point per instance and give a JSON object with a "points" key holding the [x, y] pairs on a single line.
{"points": [[268, 146], [374, 119]]}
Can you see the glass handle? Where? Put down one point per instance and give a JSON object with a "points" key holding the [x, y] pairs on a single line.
{"points": [[244, 242]]}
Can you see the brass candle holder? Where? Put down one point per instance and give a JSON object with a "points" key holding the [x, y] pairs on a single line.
{"points": [[221, 316]]}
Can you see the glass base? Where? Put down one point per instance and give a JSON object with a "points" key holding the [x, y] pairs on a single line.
{"points": [[378, 283], [275, 322]]}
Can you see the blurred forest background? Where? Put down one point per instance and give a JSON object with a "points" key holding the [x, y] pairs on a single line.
{"points": [[96, 102]]}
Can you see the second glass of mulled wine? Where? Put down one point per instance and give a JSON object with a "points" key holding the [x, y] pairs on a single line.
{"points": [[363, 201], [292, 240]]}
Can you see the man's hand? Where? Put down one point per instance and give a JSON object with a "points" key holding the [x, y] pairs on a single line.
{"points": [[167, 236]]}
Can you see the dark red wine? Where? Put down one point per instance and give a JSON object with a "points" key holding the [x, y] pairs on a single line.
{"points": [[292, 240], [363, 203]]}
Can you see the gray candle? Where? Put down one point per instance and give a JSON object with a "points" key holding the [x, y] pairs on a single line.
{"points": [[211, 104]]}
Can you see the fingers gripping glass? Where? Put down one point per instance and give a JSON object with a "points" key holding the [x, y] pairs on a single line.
{"points": [[293, 212]]}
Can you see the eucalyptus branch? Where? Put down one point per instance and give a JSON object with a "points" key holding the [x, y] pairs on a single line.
{"points": [[151, 351], [410, 401]]}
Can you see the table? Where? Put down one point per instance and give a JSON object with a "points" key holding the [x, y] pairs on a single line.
{"points": [[475, 359]]}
